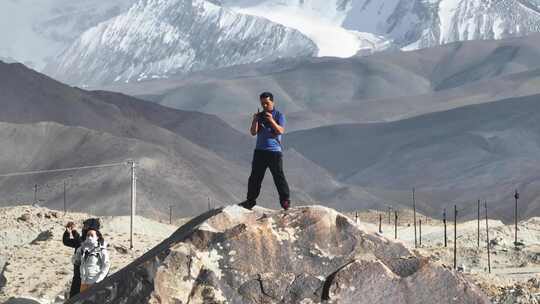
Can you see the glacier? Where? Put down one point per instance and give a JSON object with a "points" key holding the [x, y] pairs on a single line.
{"points": [[342, 27]]}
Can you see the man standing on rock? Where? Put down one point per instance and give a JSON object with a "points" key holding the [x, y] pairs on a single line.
{"points": [[269, 126]]}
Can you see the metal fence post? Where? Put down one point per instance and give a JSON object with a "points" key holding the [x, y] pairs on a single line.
{"points": [[516, 196], [444, 222], [133, 202], [420, 231], [395, 224], [455, 236], [414, 218], [487, 239]]}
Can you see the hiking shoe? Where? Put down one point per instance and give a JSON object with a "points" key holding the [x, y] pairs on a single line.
{"points": [[247, 204], [285, 204]]}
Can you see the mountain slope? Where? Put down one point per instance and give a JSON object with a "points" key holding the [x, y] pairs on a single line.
{"points": [[189, 156], [157, 38], [475, 152], [386, 86], [168, 157], [162, 173]]}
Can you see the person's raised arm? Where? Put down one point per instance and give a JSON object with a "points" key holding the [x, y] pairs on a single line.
{"points": [[71, 237], [254, 129]]}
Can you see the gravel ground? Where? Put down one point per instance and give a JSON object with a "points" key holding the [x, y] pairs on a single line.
{"points": [[37, 264]]}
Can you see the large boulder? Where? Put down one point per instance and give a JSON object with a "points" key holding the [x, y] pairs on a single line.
{"points": [[305, 255]]}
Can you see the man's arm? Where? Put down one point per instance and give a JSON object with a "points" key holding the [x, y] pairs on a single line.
{"points": [[278, 126], [254, 125], [71, 242]]}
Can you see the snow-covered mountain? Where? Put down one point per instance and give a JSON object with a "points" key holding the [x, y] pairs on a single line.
{"points": [[342, 27], [34, 31], [416, 24], [157, 38], [99, 42]]}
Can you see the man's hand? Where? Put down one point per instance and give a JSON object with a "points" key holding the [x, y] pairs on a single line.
{"points": [[268, 116], [278, 130]]}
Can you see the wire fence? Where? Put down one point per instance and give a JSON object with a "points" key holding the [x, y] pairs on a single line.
{"points": [[94, 189], [100, 190], [465, 233], [108, 190]]}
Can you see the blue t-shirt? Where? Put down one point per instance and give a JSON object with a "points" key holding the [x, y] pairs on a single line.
{"points": [[267, 139]]}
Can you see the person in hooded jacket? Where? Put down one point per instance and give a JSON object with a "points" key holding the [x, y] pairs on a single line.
{"points": [[93, 258], [72, 238]]}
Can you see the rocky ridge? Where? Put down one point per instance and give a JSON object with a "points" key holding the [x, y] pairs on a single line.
{"points": [[306, 255]]}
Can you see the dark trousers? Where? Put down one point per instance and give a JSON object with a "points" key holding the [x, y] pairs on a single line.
{"points": [[262, 160], [76, 282]]}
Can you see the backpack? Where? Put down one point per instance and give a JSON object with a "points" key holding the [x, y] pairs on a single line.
{"points": [[88, 253], [99, 253]]}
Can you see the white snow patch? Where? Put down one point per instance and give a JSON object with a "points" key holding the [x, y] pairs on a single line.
{"points": [[447, 10], [498, 27], [326, 33], [369, 15]]}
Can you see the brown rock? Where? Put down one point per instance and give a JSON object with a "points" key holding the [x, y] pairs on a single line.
{"points": [[121, 249], [42, 237], [304, 255], [24, 218]]}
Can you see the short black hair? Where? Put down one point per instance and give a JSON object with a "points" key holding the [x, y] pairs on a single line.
{"points": [[265, 95]]}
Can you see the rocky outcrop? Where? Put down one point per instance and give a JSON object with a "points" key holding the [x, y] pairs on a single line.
{"points": [[306, 255]]}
